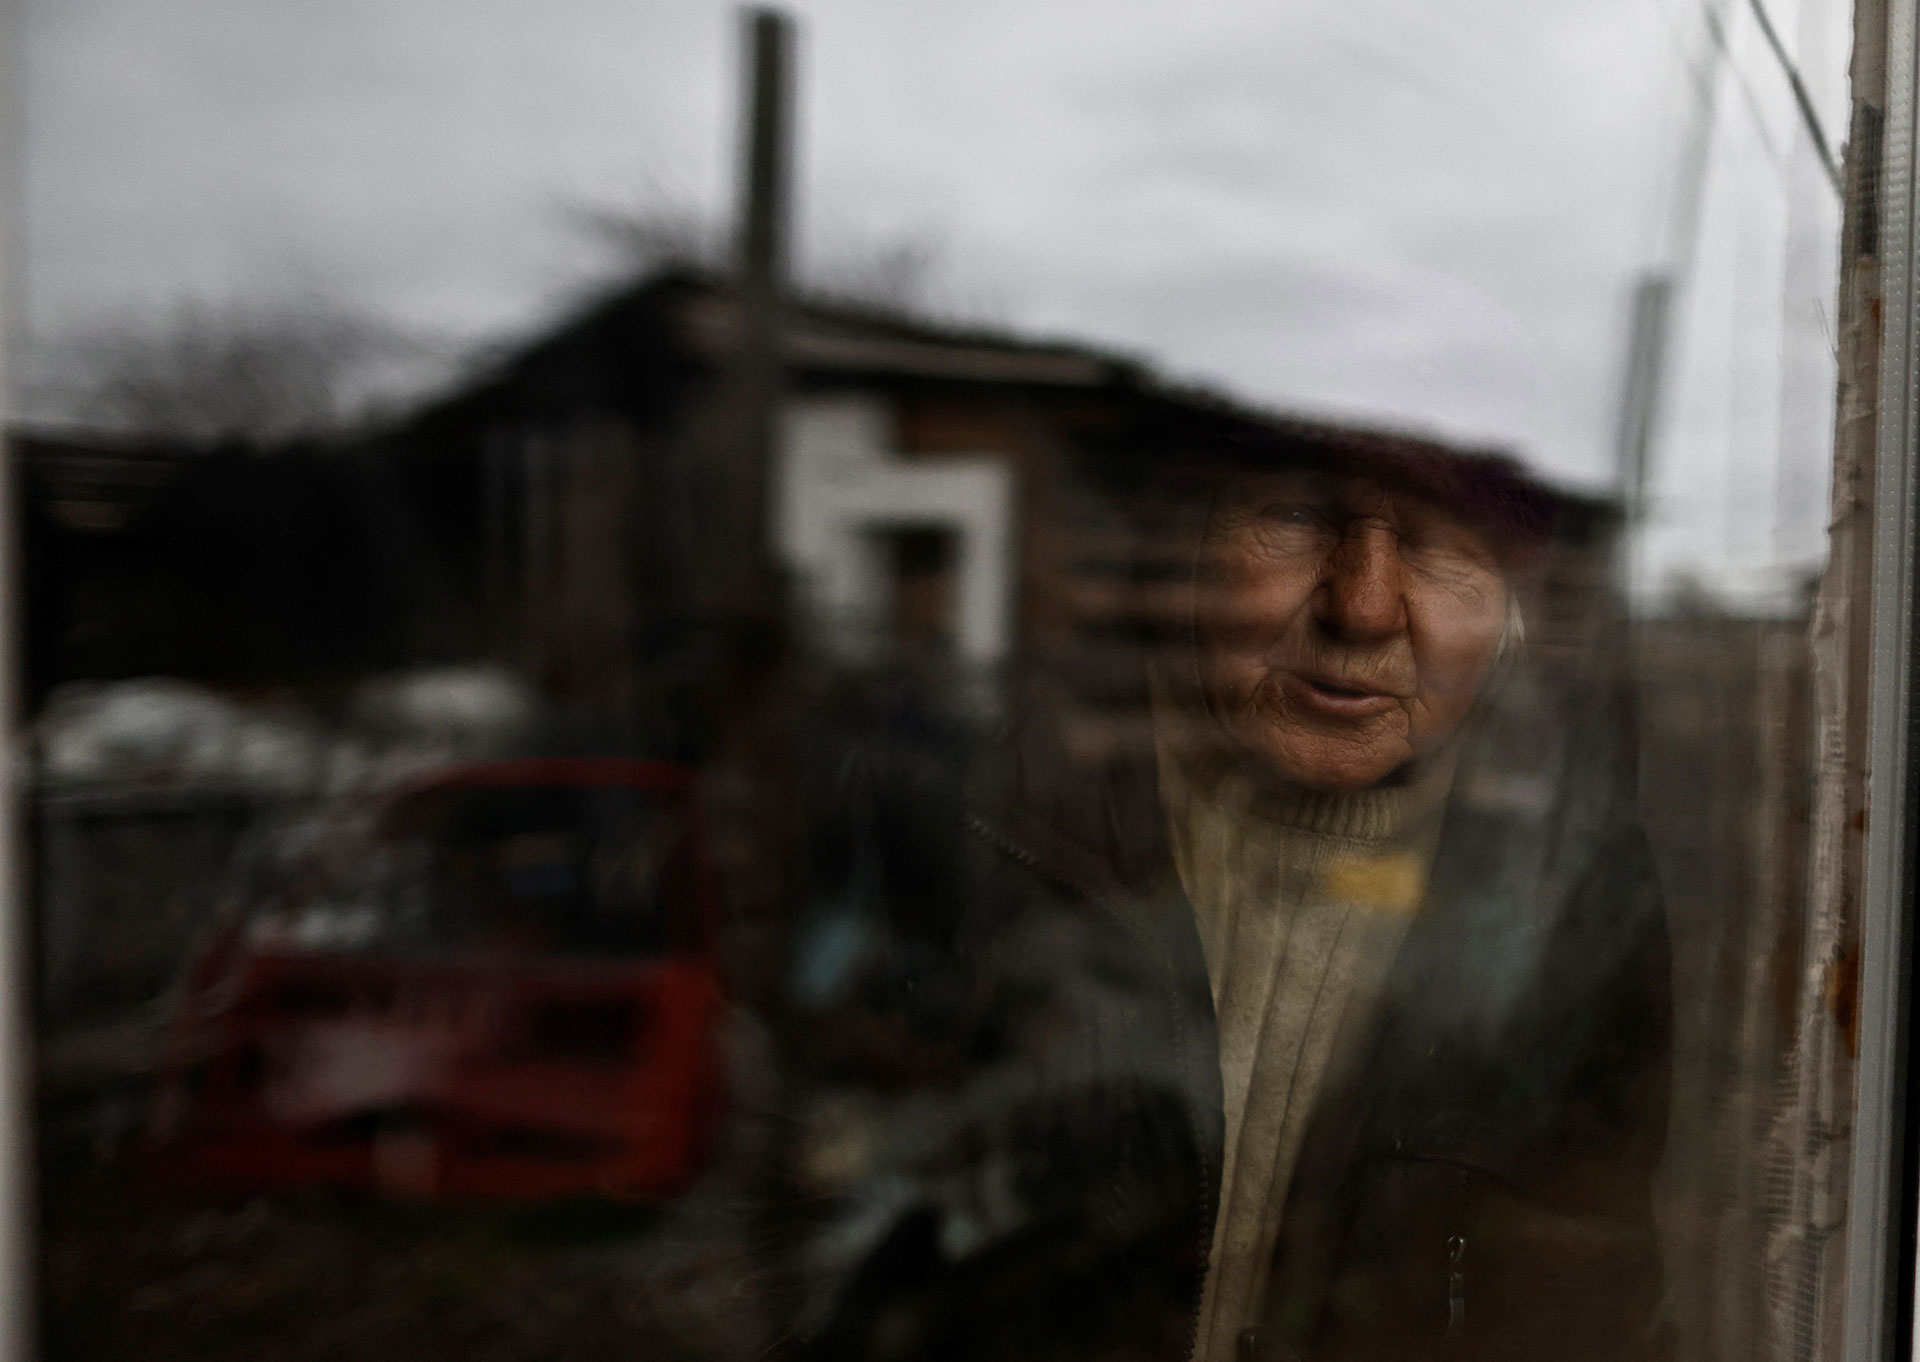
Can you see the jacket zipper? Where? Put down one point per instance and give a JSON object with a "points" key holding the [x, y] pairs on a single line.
{"points": [[1456, 1287], [1456, 1333], [1203, 1228]]}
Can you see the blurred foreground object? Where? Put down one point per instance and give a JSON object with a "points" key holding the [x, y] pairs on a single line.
{"points": [[496, 983]]}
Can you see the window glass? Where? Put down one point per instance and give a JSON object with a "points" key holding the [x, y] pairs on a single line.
{"points": [[1046, 679]]}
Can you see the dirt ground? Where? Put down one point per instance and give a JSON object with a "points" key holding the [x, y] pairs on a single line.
{"points": [[133, 1265]]}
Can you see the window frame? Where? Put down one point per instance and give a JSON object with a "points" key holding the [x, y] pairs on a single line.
{"points": [[1879, 1311]]}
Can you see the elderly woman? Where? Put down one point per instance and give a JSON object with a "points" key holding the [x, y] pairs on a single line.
{"points": [[1330, 1023]]}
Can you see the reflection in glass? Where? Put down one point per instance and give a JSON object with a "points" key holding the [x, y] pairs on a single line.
{"points": [[1158, 703]]}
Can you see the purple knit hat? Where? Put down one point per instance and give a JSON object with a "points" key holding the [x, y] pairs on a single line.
{"points": [[1488, 489]]}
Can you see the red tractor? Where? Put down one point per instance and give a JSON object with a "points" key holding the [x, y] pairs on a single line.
{"points": [[496, 983]]}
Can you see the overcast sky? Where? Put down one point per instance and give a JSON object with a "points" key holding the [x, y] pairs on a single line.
{"points": [[1424, 212]]}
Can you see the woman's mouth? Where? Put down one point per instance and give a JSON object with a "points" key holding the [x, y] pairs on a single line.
{"points": [[1338, 699]]}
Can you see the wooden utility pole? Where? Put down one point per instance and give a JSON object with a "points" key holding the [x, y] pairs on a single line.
{"points": [[1652, 307], [767, 157], [1639, 409], [761, 266]]}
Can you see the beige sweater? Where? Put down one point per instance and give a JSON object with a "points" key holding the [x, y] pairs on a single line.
{"points": [[1302, 900]]}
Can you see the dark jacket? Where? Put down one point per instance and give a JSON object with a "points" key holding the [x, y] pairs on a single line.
{"points": [[1478, 1184]]}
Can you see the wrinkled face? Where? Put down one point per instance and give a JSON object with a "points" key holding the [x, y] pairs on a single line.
{"points": [[1345, 627]]}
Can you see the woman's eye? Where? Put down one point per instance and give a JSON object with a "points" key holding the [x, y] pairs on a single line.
{"points": [[1294, 513], [1292, 527], [1451, 563], [1446, 546]]}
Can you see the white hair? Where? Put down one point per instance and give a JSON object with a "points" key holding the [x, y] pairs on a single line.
{"points": [[1513, 634]]}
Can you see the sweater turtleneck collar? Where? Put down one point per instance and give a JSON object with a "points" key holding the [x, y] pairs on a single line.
{"points": [[1377, 815]]}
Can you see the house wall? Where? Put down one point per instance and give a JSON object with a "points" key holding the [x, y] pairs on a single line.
{"points": [[842, 481]]}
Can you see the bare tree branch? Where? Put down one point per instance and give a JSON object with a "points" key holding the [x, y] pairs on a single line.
{"points": [[206, 374]]}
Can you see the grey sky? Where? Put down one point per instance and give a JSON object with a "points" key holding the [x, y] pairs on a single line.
{"points": [[1421, 211]]}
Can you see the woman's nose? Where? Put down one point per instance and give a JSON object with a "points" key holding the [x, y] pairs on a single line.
{"points": [[1363, 598]]}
